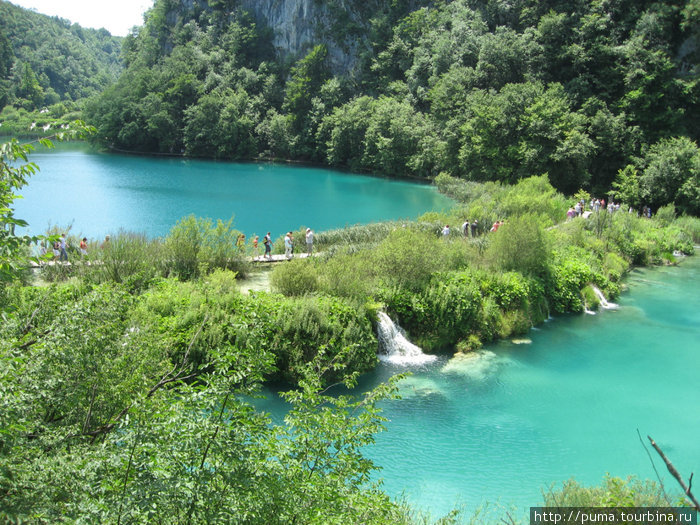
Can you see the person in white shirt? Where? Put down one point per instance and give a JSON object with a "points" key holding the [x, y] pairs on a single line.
{"points": [[288, 245], [309, 241]]}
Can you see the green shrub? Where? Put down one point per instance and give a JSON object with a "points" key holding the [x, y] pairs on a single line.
{"points": [[308, 325], [351, 275], [612, 492], [569, 275], [513, 322], [408, 259], [520, 245], [295, 277], [471, 343], [665, 215], [195, 246], [219, 249], [691, 226], [126, 257], [510, 290], [183, 245]]}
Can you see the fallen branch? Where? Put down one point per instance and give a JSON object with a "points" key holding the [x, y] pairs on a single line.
{"points": [[675, 474]]}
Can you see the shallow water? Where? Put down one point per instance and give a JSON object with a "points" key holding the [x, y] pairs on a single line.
{"points": [[519, 417], [99, 193], [504, 424]]}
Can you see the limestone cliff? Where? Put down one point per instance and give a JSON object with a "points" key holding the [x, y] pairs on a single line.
{"points": [[298, 25]]}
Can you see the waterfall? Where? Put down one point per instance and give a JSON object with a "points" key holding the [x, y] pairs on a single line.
{"points": [[396, 348], [603, 301]]}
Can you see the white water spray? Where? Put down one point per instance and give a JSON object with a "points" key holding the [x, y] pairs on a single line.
{"points": [[396, 348], [603, 301]]}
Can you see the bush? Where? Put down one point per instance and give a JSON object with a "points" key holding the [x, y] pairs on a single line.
{"points": [[665, 215], [195, 246], [183, 246], [126, 257], [295, 277], [520, 245], [408, 259], [612, 492], [306, 326]]}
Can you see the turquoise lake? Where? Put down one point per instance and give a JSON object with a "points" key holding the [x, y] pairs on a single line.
{"points": [[505, 425], [99, 193]]}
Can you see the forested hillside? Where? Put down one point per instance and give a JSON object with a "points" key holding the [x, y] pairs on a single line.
{"points": [[591, 93], [47, 60]]}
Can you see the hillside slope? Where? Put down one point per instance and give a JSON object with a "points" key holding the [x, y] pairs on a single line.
{"points": [[45, 60]]}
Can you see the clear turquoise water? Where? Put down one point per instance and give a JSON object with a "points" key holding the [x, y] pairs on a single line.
{"points": [[523, 416], [100, 193]]}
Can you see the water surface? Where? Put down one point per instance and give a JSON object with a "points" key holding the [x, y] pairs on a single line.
{"points": [[99, 193], [504, 426]]}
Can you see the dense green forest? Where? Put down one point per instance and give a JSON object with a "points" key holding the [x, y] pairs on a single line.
{"points": [[49, 64], [483, 90]]}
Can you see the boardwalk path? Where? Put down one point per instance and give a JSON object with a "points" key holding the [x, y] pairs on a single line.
{"points": [[257, 259]]}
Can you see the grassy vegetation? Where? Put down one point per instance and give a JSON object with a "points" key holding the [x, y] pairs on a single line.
{"points": [[458, 292]]}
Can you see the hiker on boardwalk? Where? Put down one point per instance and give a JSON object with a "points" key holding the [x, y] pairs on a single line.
{"points": [[288, 245], [64, 252], [83, 247], [267, 241], [309, 241], [56, 250], [256, 250], [240, 243]]}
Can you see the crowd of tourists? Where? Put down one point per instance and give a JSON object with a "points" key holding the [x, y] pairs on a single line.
{"points": [[60, 247], [597, 205], [289, 245]]}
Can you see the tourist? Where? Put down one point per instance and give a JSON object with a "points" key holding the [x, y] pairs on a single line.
{"points": [[570, 214], [267, 241], [105, 243], [577, 209], [465, 228], [240, 243], [475, 227], [56, 251], [288, 246], [83, 247], [256, 250], [64, 245], [309, 241], [446, 231]]}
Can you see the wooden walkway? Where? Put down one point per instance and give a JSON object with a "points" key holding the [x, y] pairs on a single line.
{"points": [[254, 259]]}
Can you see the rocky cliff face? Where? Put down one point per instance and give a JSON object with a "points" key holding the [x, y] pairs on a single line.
{"points": [[298, 25]]}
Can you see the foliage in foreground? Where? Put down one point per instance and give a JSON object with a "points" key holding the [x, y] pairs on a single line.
{"points": [[101, 423]]}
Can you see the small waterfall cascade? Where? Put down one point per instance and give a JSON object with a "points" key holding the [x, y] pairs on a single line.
{"points": [[396, 348], [603, 301]]}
